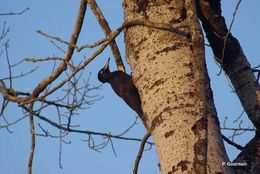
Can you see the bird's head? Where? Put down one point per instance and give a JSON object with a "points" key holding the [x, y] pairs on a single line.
{"points": [[104, 73]]}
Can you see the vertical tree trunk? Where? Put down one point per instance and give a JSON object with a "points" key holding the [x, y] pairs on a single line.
{"points": [[170, 74]]}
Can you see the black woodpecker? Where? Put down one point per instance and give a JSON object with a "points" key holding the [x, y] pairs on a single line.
{"points": [[123, 86]]}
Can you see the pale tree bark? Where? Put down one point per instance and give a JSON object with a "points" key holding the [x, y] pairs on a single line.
{"points": [[170, 74]]}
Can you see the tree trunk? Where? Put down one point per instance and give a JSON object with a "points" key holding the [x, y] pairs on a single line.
{"points": [[170, 74], [229, 54]]}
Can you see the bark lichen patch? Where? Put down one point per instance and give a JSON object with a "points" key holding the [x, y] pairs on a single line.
{"points": [[168, 134], [142, 6], [173, 169], [183, 165], [174, 47], [140, 42], [156, 83], [159, 119]]}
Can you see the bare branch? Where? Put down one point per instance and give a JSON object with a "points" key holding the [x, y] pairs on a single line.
{"points": [[4, 31], [56, 38], [48, 59], [95, 44], [57, 46], [58, 126], [239, 147], [106, 29], [129, 128], [67, 56], [31, 156], [113, 148], [6, 45], [42, 59], [140, 152], [16, 64], [23, 74], [14, 13], [13, 123], [60, 143], [239, 117], [72, 45], [7, 127], [238, 129], [4, 104], [9, 94]]}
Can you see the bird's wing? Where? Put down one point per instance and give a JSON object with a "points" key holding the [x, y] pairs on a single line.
{"points": [[124, 87], [131, 97]]}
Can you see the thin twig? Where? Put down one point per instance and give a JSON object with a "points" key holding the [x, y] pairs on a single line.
{"points": [[129, 128], [4, 104], [16, 64], [7, 128], [60, 142], [30, 163], [58, 47], [4, 31], [239, 147], [140, 152], [14, 13], [20, 75], [239, 116], [13, 123], [6, 45], [238, 129], [58, 126], [226, 36], [28, 59], [95, 44], [56, 38], [113, 148]]}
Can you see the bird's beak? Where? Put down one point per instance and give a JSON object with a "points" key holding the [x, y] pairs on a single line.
{"points": [[107, 64]]}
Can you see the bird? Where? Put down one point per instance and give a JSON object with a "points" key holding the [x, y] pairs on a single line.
{"points": [[123, 86]]}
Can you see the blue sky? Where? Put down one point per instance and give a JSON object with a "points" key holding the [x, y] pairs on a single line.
{"points": [[109, 114]]}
